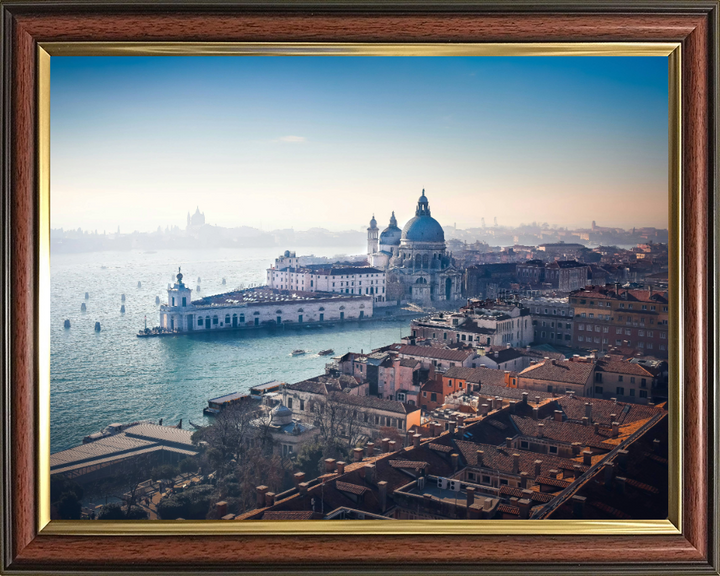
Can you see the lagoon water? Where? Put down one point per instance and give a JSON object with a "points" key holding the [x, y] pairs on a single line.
{"points": [[112, 376]]}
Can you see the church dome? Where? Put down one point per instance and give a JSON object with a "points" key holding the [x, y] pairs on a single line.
{"points": [[391, 235], [281, 415], [423, 227]]}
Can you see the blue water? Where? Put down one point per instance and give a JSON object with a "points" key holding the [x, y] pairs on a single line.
{"points": [[112, 376]]}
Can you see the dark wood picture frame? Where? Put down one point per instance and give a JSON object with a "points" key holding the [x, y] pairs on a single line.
{"points": [[24, 24]]}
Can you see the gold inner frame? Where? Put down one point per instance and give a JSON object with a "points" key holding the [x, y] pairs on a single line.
{"points": [[672, 525]]}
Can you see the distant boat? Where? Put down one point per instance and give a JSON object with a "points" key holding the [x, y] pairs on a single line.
{"points": [[326, 352], [298, 352]]}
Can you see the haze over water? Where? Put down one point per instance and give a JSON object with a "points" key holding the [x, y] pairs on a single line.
{"points": [[112, 376]]}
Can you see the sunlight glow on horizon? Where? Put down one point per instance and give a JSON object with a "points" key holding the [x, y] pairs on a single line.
{"points": [[278, 142]]}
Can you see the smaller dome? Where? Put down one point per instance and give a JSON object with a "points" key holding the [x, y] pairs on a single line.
{"points": [[280, 415], [373, 222]]}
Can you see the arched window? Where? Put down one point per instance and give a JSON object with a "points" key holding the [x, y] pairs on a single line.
{"points": [[215, 320], [278, 311], [200, 322], [342, 307], [242, 318], [426, 260], [418, 261], [362, 305], [256, 313], [227, 318], [301, 310], [322, 308]]}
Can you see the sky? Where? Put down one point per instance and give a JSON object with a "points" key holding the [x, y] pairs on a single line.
{"points": [[299, 142]]}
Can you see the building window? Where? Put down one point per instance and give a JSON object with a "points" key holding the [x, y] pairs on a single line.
{"points": [[290, 402], [486, 479], [643, 394], [433, 397], [524, 444], [632, 391], [598, 389], [215, 320], [620, 391], [553, 450]]}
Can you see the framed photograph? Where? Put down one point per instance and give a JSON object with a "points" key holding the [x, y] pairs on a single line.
{"points": [[381, 286]]}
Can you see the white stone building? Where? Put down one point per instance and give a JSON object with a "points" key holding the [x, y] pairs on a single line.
{"points": [[258, 307], [287, 274]]}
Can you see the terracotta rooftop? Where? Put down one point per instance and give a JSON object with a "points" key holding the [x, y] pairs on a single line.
{"points": [[567, 371], [351, 488], [436, 353]]}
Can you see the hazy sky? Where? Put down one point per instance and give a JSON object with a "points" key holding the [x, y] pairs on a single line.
{"points": [[280, 142]]}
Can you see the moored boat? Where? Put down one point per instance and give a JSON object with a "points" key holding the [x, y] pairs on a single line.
{"points": [[298, 352], [326, 352]]}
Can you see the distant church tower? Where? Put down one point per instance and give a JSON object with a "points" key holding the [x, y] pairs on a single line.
{"points": [[197, 219], [373, 235]]}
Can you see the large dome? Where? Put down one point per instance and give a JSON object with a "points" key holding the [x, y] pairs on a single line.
{"points": [[423, 228]]}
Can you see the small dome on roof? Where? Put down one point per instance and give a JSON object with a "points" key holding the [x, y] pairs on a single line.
{"points": [[280, 415]]}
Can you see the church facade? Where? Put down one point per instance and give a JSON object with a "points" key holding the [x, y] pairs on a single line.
{"points": [[418, 266]]}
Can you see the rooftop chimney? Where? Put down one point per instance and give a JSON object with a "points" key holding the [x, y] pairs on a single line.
{"points": [[470, 491], [578, 506], [525, 397], [487, 504], [537, 400], [416, 440], [577, 470], [508, 442], [615, 429], [507, 377], [341, 468], [535, 413], [451, 427], [620, 485], [454, 460], [585, 421], [385, 445], [538, 467], [512, 404], [484, 409], [303, 487], [524, 505], [370, 472], [588, 410], [391, 445], [369, 449], [622, 456], [298, 477], [587, 458], [524, 479], [609, 474], [270, 499], [576, 448], [358, 454], [597, 427], [558, 416], [516, 463], [382, 494], [329, 465], [480, 455], [260, 491], [541, 430], [221, 508]]}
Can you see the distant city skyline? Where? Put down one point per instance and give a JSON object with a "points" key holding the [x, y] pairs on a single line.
{"points": [[278, 142]]}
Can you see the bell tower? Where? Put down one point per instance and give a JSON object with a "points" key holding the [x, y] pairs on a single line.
{"points": [[373, 236]]}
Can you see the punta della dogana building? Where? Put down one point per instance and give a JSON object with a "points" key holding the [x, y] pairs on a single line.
{"points": [[258, 307]]}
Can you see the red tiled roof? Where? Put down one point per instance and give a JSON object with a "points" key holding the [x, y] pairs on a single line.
{"points": [[351, 488], [437, 353], [408, 464], [440, 447], [566, 432], [617, 366], [557, 482], [288, 515], [518, 493], [567, 371], [508, 509]]}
